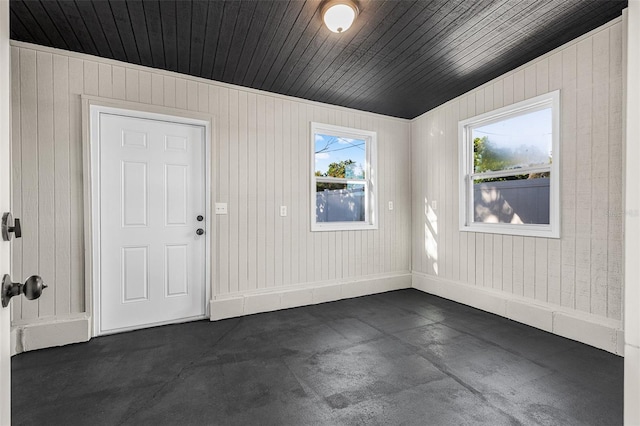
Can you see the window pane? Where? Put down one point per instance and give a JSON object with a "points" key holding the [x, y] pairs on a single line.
{"points": [[339, 157], [514, 199], [340, 202], [513, 143]]}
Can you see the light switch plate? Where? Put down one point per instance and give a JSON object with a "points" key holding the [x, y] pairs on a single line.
{"points": [[390, 205], [221, 208], [283, 211]]}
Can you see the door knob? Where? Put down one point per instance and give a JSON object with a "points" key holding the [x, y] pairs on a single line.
{"points": [[32, 288], [200, 231], [9, 226]]}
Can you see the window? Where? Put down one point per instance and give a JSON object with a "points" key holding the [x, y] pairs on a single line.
{"points": [[342, 184], [509, 163]]}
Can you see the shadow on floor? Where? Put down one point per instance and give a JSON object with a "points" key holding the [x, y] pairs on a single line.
{"points": [[403, 357]]}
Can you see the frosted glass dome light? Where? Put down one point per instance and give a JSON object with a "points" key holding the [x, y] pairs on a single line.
{"points": [[338, 16]]}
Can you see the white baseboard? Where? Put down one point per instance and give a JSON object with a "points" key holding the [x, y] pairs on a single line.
{"points": [[253, 302], [603, 333], [49, 332]]}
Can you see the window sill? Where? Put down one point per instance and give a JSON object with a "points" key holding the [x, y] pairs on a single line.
{"points": [[541, 231], [342, 226]]}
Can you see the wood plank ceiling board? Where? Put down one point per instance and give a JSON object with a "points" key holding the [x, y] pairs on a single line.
{"points": [[104, 20], [400, 58], [199, 12], [91, 20], [184, 25], [138, 23], [120, 14], [41, 16], [79, 28], [263, 12], [168, 24]]}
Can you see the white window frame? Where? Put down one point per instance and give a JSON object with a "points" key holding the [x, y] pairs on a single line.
{"points": [[467, 172], [370, 181]]}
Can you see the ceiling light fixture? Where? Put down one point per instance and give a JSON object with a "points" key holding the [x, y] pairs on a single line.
{"points": [[338, 15]]}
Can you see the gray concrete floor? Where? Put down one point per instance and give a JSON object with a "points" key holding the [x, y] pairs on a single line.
{"points": [[402, 357]]}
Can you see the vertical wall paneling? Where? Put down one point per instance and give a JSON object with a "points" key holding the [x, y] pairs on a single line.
{"points": [[454, 203], [234, 207], [91, 84], [464, 273], [181, 93], [132, 85], [192, 95], [582, 269], [303, 183], [269, 176], [568, 184], [554, 255], [105, 85], [144, 87], [295, 209], [119, 79], [46, 180], [471, 237], [584, 180], [62, 228], [616, 180], [251, 168], [203, 97], [528, 267], [541, 269], [223, 193], [30, 160], [262, 161], [157, 89], [261, 194], [507, 263], [286, 193], [600, 174], [169, 91], [278, 154], [243, 193], [76, 88]]}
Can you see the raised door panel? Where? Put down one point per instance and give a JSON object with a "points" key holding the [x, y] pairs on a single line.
{"points": [[135, 274], [134, 192], [176, 194], [176, 270]]}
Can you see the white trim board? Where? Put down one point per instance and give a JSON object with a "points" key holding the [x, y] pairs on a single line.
{"points": [[50, 333], [253, 302], [602, 333]]}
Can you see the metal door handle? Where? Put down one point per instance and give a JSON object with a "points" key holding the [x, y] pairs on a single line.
{"points": [[200, 231], [9, 226], [32, 288]]}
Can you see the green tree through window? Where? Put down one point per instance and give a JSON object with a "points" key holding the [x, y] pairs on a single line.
{"points": [[337, 170]]}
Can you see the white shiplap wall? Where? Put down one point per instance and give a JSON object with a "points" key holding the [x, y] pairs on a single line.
{"points": [[582, 271], [262, 152]]}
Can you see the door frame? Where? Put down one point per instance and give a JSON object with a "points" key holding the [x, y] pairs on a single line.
{"points": [[92, 108]]}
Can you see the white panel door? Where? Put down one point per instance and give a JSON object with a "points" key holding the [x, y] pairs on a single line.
{"points": [[152, 190]]}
